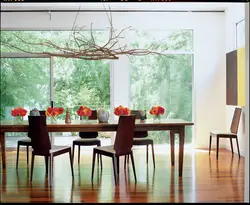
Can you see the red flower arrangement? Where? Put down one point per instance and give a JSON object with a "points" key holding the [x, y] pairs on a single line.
{"points": [[18, 111], [157, 110], [120, 110], [54, 112], [84, 111]]}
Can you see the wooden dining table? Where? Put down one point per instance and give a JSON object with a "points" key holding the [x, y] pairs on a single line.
{"points": [[175, 126]]}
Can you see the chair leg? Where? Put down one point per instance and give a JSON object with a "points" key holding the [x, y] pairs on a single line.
{"points": [[79, 150], [147, 154], [238, 147], [101, 160], [99, 155], [217, 148], [73, 152], [46, 158], [115, 168], [27, 154], [210, 142], [125, 159], [71, 163], [133, 164], [32, 166], [93, 165], [231, 145], [17, 156], [51, 170], [153, 154], [118, 165]]}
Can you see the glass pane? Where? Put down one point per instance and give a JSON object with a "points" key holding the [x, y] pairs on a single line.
{"points": [[24, 82], [165, 81], [79, 82]]}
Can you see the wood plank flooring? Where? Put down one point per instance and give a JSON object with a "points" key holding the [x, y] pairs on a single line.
{"points": [[204, 179]]}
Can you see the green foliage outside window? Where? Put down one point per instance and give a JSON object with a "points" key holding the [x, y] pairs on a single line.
{"points": [[163, 80], [154, 79]]}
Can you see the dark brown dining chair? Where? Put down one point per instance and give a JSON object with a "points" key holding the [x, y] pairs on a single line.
{"points": [[122, 146], [231, 135], [25, 142], [87, 139], [141, 139], [41, 145]]}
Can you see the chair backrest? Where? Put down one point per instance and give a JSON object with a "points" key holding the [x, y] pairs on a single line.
{"points": [[124, 135], [235, 121], [39, 135], [90, 134], [139, 134], [41, 112]]}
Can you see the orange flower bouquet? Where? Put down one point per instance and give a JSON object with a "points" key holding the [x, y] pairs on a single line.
{"points": [[156, 111], [18, 113], [120, 110], [84, 112], [54, 113]]}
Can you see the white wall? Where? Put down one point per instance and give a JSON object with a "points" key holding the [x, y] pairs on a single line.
{"points": [[209, 77], [209, 50], [246, 195], [234, 14]]}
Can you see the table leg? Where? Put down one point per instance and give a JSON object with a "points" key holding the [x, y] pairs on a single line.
{"points": [[181, 148], [172, 147], [3, 151]]}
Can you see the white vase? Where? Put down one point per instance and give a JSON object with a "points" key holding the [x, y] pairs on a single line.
{"points": [[102, 115]]}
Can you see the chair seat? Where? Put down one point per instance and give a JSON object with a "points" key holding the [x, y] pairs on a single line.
{"points": [[87, 141], [56, 148], [25, 141], [222, 134], [109, 149], [142, 141]]}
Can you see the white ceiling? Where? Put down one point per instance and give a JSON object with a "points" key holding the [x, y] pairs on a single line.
{"points": [[117, 6]]}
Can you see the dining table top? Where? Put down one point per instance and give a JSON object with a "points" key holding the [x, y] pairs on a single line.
{"points": [[93, 125]]}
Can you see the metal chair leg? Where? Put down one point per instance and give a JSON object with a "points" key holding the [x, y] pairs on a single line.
{"points": [[32, 166], [217, 148], [147, 154], [51, 170], [210, 142], [79, 150], [46, 158], [231, 143], [238, 147], [153, 154], [27, 154], [93, 165], [71, 163], [133, 164], [115, 168], [73, 153], [17, 156]]}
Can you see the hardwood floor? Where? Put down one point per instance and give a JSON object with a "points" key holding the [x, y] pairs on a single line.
{"points": [[204, 179]]}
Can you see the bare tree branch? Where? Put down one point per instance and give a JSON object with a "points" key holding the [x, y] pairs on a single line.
{"points": [[79, 46]]}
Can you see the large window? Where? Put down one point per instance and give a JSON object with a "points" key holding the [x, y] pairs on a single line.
{"points": [[165, 80], [26, 81]]}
